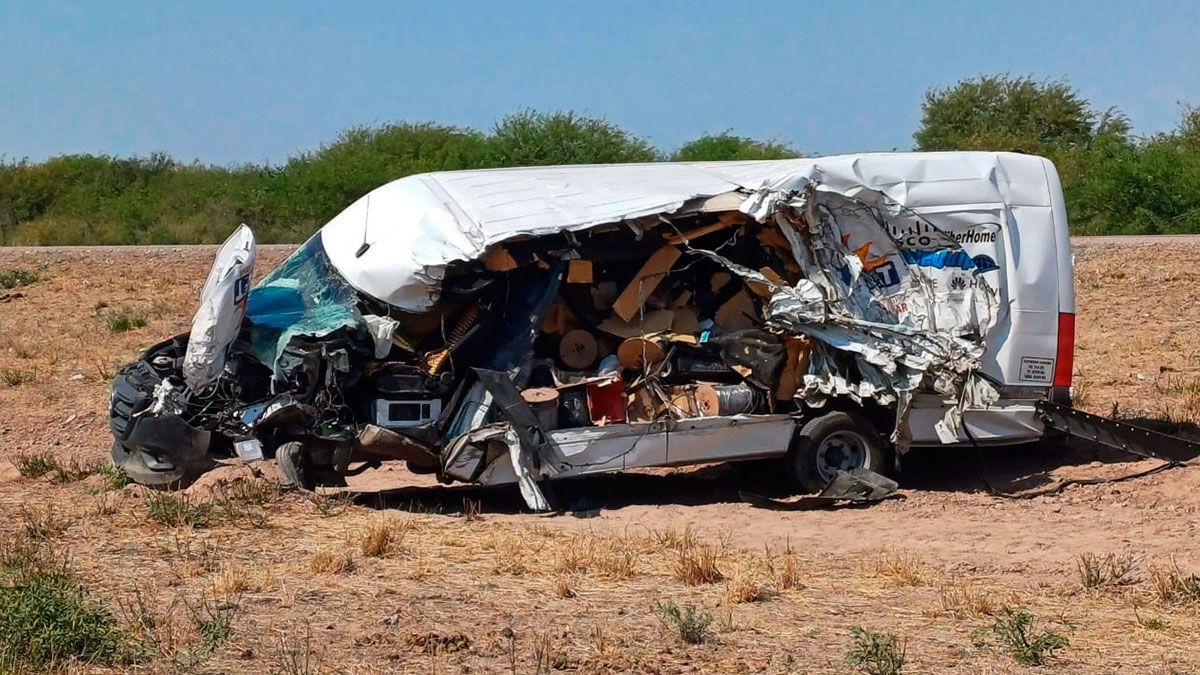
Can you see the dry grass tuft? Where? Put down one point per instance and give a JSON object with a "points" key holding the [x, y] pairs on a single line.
{"points": [[15, 377], [697, 564], [196, 555], [902, 569], [675, 539], [611, 556], [75, 469], [574, 556], [615, 557], [1184, 389], [563, 588], [332, 562], [509, 553], [383, 537], [1148, 622], [33, 464], [744, 587], [330, 504], [244, 492], [177, 510], [783, 569], [295, 654], [43, 525], [231, 580], [419, 567], [125, 319], [70, 470], [966, 600], [472, 510], [1110, 570], [1173, 586]]}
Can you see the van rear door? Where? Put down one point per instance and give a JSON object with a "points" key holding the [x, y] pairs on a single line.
{"points": [[1022, 249]]}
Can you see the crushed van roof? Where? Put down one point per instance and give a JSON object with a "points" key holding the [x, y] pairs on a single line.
{"points": [[394, 243]]}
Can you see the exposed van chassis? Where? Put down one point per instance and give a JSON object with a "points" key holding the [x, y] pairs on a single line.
{"points": [[725, 311]]}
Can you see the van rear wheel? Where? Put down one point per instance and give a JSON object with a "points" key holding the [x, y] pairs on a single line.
{"points": [[835, 441]]}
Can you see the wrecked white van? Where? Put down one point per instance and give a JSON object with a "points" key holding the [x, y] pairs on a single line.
{"points": [[519, 325]]}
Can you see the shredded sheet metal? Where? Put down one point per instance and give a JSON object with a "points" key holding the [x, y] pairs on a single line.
{"points": [[865, 294]]}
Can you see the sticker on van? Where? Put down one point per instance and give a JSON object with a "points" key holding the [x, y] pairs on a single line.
{"points": [[948, 259], [1037, 369]]}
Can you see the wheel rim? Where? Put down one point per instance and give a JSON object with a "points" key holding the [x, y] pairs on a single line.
{"points": [[842, 451]]}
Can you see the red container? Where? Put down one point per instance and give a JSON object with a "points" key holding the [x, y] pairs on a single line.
{"points": [[607, 401]]}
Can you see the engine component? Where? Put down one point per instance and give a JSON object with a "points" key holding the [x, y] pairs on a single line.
{"points": [[405, 397]]}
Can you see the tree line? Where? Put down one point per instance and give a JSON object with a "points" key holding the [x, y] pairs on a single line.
{"points": [[1115, 182]]}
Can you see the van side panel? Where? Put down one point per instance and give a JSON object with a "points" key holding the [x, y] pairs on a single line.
{"points": [[1062, 240]]}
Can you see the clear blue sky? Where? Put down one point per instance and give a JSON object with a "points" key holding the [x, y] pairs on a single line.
{"points": [[231, 82]]}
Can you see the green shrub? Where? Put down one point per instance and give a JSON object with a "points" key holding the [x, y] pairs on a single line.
{"points": [[125, 319], [16, 277], [114, 476], [726, 146], [875, 653], [34, 464], [691, 625], [176, 511], [1016, 630], [47, 618], [1114, 183]]}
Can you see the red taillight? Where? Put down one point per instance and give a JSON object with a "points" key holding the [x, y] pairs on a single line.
{"points": [[1065, 360]]}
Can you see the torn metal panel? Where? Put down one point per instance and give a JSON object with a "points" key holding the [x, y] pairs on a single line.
{"points": [[222, 304], [618, 447], [864, 294], [720, 439]]}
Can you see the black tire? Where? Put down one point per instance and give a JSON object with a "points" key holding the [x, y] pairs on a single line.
{"points": [[295, 461], [835, 440], [133, 463]]}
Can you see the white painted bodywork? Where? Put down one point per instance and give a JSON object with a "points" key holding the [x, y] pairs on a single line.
{"points": [[394, 244], [617, 447], [222, 305]]}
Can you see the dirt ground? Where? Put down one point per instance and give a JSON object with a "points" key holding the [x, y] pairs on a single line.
{"points": [[407, 576]]}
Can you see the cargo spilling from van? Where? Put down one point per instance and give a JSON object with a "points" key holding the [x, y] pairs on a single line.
{"points": [[513, 326]]}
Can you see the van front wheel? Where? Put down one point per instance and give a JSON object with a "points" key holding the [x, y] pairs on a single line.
{"points": [[835, 441]]}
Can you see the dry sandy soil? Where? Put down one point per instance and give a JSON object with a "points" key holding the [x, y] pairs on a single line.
{"points": [[469, 582]]}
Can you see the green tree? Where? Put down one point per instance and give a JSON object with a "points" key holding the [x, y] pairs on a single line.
{"points": [[313, 187], [531, 138], [1151, 186], [711, 147], [1000, 112]]}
